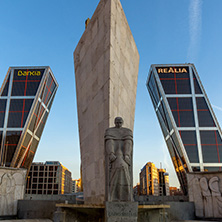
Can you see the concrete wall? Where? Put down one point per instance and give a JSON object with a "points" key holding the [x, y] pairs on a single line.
{"points": [[70, 215], [178, 211], [106, 67], [29, 220], [60, 198], [180, 208], [181, 211], [36, 209], [153, 215], [147, 199]]}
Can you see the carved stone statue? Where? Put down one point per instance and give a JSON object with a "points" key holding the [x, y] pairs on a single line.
{"points": [[118, 152], [216, 196], [7, 192], [205, 191], [12, 188], [197, 197], [207, 198]]}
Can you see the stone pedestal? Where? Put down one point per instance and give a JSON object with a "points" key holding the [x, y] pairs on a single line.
{"points": [[79, 213], [59, 215], [121, 212], [12, 188]]}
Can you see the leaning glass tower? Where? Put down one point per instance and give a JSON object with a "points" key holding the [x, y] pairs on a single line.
{"points": [[26, 97], [189, 125]]}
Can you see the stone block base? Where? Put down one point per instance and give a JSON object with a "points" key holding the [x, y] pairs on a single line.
{"points": [[121, 212]]}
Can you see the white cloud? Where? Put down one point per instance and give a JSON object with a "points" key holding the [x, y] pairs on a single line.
{"points": [[217, 107], [195, 20]]}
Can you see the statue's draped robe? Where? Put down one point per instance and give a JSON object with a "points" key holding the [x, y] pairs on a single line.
{"points": [[119, 142]]}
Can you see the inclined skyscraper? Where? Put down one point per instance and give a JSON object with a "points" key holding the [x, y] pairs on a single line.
{"points": [[26, 97], [189, 125]]}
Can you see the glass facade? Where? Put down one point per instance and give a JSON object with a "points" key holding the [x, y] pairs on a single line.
{"points": [[190, 129], [25, 101]]}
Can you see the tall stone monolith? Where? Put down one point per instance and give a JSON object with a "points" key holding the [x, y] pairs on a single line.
{"points": [[106, 68]]}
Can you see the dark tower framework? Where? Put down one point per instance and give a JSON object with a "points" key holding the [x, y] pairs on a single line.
{"points": [[26, 97], [189, 125]]}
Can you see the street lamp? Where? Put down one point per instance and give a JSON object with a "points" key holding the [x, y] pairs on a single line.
{"points": [[28, 184]]}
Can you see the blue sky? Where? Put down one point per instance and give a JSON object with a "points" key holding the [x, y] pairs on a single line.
{"points": [[165, 31]]}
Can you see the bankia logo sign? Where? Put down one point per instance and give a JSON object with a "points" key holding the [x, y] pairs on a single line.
{"points": [[32, 72]]}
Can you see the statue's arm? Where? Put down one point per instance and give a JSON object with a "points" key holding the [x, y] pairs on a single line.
{"points": [[128, 147], [110, 150]]}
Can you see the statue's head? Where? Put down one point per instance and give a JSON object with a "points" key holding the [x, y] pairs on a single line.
{"points": [[118, 122]]}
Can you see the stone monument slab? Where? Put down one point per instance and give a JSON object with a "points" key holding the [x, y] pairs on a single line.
{"points": [[205, 190], [106, 69], [12, 188], [121, 212]]}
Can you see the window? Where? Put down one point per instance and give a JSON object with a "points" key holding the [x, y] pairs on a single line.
{"points": [[50, 168], [204, 115], [12, 139], [190, 144], [211, 146], [182, 109], [2, 111], [18, 112]]}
